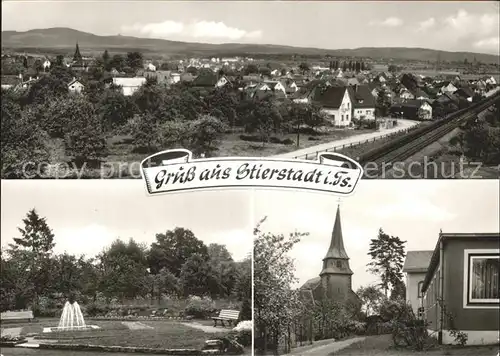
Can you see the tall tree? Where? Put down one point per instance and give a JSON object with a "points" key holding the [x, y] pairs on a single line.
{"points": [[372, 298], [387, 254], [35, 244], [383, 103], [276, 304], [134, 60], [173, 248]]}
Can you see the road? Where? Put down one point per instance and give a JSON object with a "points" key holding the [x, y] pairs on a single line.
{"points": [[403, 124]]}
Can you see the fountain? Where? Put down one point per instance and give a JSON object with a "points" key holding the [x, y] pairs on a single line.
{"points": [[71, 319]]}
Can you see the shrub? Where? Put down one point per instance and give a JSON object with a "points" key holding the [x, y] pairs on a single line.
{"points": [[250, 138], [246, 311], [200, 308], [242, 333], [288, 141]]}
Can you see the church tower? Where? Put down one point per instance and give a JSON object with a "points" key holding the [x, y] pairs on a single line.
{"points": [[336, 274], [77, 58]]}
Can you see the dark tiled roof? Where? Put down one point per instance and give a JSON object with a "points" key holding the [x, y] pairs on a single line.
{"points": [[465, 92], [361, 97], [330, 97], [417, 261], [312, 283], [205, 80]]}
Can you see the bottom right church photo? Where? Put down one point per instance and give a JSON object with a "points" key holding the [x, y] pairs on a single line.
{"points": [[399, 268]]}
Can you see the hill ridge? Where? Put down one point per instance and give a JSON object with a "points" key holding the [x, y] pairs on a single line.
{"points": [[59, 38]]}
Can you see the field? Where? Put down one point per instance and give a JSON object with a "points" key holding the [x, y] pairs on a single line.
{"points": [[382, 346], [122, 162]]}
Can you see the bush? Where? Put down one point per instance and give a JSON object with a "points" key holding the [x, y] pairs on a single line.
{"points": [[243, 337], [246, 310], [95, 309], [200, 308], [250, 138]]}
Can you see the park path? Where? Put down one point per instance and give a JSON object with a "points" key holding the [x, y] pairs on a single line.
{"points": [[12, 332], [136, 325], [403, 124], [206, 328], [328, 349]]}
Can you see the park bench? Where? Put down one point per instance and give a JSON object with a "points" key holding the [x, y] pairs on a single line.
{"points": [[14, 316], [228, 315]]}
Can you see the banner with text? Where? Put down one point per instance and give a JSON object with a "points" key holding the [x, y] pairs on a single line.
{"points": [[176, 170]]}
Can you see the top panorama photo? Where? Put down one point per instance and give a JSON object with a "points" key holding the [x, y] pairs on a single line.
{"points": [[408, 89]]}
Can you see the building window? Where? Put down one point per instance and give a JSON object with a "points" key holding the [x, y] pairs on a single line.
{"points": [[342, 118], [419, 287], [420, 312], [339, 264], [482, 277]]}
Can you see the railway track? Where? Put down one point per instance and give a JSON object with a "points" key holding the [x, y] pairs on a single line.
{"points": [[382, 158]]}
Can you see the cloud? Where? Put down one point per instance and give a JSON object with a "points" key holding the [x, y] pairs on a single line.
{"points": [[155, 30], [491, 44], [211, 29], [193, 30], [478, 30], [426, 24], [388, 22]]}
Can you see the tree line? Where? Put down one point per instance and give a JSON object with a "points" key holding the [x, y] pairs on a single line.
{"points": [[177, 264]]}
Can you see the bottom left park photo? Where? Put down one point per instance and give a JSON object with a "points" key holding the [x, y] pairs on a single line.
{"points": [[93, 266]]}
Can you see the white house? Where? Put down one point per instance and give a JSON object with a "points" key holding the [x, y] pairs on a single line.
{"points": [[276, 73], [491, 81], [336, 103], [448, 88], [221, 82], [363, 102], [76, 86], [175, 78], [151, 67], [415, 268], [272, 85], [46, 64], [129, 85]]}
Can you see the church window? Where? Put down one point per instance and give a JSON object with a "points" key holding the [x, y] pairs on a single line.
{"points": [[339, 264]]}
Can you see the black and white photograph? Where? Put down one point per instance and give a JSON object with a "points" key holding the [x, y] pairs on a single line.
{"points": [[86, 273], [401, 268], [409, 89]]}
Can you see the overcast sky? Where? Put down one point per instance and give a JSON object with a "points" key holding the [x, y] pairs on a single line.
{"points": [[445, 25], [414, 210], [87, 215]]}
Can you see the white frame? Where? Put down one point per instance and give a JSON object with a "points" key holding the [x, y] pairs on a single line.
{"points": [[467, 277]]}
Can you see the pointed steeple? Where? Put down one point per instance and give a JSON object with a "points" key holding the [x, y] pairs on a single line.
{"points": [[337, 249], [77, 57]]}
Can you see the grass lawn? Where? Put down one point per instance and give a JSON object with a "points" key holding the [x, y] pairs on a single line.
{"points": [[163, 334], [122, 162], [381, 345]]}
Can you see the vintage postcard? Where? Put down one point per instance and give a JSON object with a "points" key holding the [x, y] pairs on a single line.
{"points": [[410, 90]]}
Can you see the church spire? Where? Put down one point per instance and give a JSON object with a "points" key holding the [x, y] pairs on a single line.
{"points": [[77, 57], [337, 249]]}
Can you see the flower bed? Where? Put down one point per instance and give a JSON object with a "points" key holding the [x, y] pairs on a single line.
{"points": [[11, 341]]}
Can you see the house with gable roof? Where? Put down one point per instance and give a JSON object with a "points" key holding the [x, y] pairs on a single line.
{"points": [[415, 268], [363, 102], [335, 102]]}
